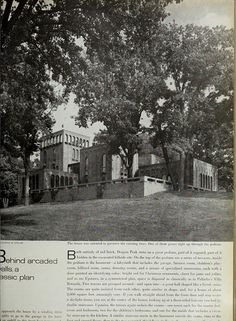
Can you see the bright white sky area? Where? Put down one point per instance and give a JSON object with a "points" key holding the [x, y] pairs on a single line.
{"points": [[199, 12]]}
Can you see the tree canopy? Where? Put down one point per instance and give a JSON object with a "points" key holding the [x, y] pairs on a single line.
{"points": [[45, 43], [181, 76], [196, 112]]}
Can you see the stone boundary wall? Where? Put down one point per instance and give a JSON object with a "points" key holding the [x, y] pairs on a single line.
{"points": [[136, 187]]}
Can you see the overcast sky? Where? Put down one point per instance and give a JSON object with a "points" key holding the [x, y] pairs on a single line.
{"points": [[200, 12]]}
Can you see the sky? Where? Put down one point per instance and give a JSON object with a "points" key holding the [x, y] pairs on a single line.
{"points": [[199, 12]]}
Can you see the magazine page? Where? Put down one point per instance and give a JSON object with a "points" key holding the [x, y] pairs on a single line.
{"points": [[116, 160]]}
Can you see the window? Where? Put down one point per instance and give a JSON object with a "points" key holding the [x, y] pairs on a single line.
{"points": [[104, 163], [73, 140], [54, 154], [77, 141], [60, 138], [70, 139], [33, 182], [45, 158], [80, 142], [86, 166], [84, 142], [57, 181], [52, 181], [77, 151], [211, 185], [71, 180], [66, 181], [62, 181], [37, 181], [200, 180], [87, 143], [73, 153], [66, 138]]}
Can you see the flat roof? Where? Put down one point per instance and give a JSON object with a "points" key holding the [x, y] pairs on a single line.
{"points": [[66, 132]]}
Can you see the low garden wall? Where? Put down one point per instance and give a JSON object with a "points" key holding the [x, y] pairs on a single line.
{"points": [[135, 187]]}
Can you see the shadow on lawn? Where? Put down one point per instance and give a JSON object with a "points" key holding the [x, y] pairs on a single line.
{"points": [[201, 194], [13, 219]]}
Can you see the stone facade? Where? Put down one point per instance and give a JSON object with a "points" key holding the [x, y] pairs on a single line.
{"points": [[67, 160], [205, 175], [60, 149], [198, 174], [97, 164], [44, 179]]}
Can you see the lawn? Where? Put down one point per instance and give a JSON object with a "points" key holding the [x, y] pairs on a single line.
{"points": [[168, 216]]}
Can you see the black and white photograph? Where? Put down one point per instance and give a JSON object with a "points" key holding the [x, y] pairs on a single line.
{"points": [[116, 120]]}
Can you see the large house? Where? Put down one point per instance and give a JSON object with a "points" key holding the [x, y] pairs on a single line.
{"points": [[67, 159]]}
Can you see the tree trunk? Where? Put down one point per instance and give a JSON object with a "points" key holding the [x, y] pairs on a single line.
{"points": [[130, 166], [130, 172], [168, 167], [26, 165], [182, 171]]}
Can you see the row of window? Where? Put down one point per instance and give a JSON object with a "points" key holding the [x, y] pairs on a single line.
{"points": [[51, 140], [57, 181], [76, 141], [206, 181], [69, 139]]}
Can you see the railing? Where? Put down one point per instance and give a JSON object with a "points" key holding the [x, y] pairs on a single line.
{"points": [[115, 181]]}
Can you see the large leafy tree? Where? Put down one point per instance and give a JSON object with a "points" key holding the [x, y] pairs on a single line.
{"points": [[196, 113], [117, 98], [119, 82], [9, 169], [42, 44]]}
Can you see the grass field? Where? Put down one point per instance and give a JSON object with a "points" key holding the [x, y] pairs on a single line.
{"points": [[186, 216]]}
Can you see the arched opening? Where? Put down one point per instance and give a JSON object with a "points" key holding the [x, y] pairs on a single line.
{"points": [[57, 181], [66, 138], [52, 181], [104, 163], [66, 181], [200, 180], [30, 182], [62, 181], [37, 181], [71, 181], [86, 166], [45, 158], [33, 182]]}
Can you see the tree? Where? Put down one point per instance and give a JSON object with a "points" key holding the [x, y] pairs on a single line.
{"points": [[9, 168], [42, 44], [198, 68], [119, 81], [117, 97]]}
